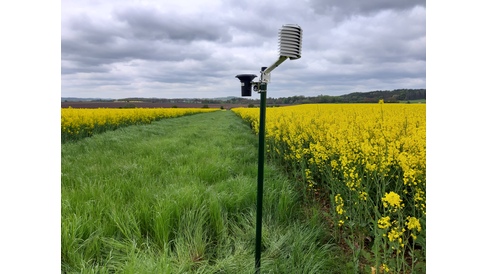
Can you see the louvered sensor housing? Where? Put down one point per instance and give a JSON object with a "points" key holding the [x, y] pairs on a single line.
{"points": [[290, 41]]}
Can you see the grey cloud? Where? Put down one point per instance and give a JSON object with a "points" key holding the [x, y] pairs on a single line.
{"points": [[78, 69], [261, 20], [95, 86], [91, 56], [94, 31], [155, 52], [342, 9], [137, 33], [151, 24], [356, 75], [210, 72], [125, 50], [391, 37]]}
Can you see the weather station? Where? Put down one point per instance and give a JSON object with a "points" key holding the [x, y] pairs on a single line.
{"points": [[290, 41]]}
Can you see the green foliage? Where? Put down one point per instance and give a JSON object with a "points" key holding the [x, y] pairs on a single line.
{"points": [[178, 196], [389, 96]]}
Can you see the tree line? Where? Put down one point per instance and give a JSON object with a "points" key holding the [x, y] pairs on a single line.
{"points": [[389, 96]]}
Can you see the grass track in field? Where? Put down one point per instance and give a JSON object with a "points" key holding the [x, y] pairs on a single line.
{"points": [[178, 196]]}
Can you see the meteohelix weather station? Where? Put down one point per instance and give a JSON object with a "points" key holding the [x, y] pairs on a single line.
{"points": [[290, 40]]}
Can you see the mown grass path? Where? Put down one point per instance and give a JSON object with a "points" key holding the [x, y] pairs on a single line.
{"points": [[178, 196]]}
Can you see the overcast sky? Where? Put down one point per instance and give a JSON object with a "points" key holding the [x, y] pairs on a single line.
{"points": [[194, 49]]}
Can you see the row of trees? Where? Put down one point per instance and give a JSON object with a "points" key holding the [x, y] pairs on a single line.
{"points": [[389, 96]]}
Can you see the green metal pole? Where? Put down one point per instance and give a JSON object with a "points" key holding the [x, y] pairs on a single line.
{"points": [[260, 176]]}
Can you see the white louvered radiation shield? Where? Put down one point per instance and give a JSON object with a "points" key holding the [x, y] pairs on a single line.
{"points": [[290, 40]]}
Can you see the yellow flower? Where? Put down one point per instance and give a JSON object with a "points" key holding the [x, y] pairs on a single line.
{"points": [[350, 145], [334, 164], [363, 195], [384, 222], [339, 207], [395, 234], [413, 224], [392, 199]]}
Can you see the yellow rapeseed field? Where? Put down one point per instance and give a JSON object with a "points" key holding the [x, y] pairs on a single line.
{"points": [[367, 161], [78, 123]]}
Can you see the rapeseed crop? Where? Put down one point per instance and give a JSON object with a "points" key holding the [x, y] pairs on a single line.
{"points": [[365, 161], [78, 123]]}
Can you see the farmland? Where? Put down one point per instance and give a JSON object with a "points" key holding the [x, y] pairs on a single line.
{"points": [[178, 196], [345, 192], [367, 165], [80, 123], [141, 104]]}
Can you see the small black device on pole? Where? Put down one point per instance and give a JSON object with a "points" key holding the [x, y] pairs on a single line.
{"points": [[246, 81], [290, 40]]}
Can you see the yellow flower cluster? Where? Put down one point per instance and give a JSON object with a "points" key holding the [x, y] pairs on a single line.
{"points": [[413, 224], [77, 123], [395, 235], [309, 178], [393, 200], [376, 136], [373, 154], [384, 222], [339, 204], [339, 209]]}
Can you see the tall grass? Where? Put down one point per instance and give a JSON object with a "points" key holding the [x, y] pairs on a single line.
{"points": [[178, 196]]}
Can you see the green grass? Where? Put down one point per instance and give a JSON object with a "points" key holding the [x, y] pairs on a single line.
{"points": [[178, 196]]}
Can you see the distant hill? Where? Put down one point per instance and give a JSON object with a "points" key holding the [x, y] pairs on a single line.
{"points": [[75, 99], [394, 96], [389, 96], [386, 95]]}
